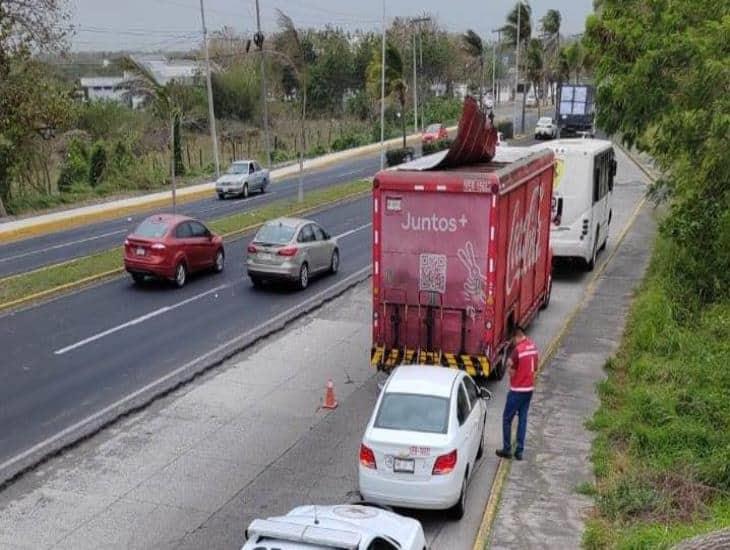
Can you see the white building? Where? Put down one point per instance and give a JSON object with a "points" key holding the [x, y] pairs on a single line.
{"points": [[99, 88]]}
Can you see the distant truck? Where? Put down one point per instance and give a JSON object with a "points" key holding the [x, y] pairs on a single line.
{"points": [[461, 255], [575, 111]]}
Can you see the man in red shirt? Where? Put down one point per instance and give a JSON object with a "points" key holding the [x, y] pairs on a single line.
{"points": [[522, 363]]}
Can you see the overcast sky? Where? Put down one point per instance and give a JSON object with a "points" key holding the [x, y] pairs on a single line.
{"points": [[175, 24]]}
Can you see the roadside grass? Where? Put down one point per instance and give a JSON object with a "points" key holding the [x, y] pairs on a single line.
{"points": [[662, 451], [59, 277]]}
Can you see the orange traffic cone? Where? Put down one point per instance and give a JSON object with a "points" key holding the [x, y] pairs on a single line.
{"points": [[329, 396]]}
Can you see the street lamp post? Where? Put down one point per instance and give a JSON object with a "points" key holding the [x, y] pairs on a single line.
{"points": [[494, 64], [416, 20], [517, 67], [382, 95], [259, 40], [211, 109]]}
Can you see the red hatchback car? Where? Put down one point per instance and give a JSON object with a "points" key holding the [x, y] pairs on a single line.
{"points": [[170, 247], [434, 132]]}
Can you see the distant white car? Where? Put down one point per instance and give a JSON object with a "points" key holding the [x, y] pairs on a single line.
{"points": [[423, 439], [500, 140], [546, 128], [350, 526], [243, 177]]}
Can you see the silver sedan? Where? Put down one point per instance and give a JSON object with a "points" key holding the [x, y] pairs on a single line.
{"points": [[291, 249]]}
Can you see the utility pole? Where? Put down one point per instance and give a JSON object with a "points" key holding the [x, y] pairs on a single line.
{"points": [[382, 96], [415, 89], [172, 164], [494, 66], [416, 21], [517, 69], [259, 42], [211, 110]]}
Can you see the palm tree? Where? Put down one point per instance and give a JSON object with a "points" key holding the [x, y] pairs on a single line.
{"points": [[301, 55], [535, 67], [474, 47], [575, 58], [395, 83], [165, 104], [520, 15], [510, 28], [550, 26]]}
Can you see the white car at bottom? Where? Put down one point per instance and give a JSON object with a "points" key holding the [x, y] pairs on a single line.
{"points": [[348, 526], [423, 439]]}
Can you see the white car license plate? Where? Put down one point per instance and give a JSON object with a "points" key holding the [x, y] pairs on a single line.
{"points": [[140, 251], [265, 256], [404, 465]]}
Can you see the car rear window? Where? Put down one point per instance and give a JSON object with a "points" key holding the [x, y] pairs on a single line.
{"points": [[433, 128], [153, 229], [412, 412], [275, 233]]}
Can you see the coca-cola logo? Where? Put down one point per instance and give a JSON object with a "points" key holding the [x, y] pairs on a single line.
{"points": [[523, 250]]}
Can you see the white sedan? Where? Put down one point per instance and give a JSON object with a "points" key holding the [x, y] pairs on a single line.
{"points": [[243, 177], [546, 128], [350, 526], [423, 439]]}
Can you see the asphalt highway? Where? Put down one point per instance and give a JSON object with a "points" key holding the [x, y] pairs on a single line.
{"points": [[67, 359], [35, 252]]}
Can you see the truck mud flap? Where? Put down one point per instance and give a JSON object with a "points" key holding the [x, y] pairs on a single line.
{"points": [[387, 359]]}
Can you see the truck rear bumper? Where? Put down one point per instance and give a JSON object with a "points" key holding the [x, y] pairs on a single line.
{"points": [[386, 359]]}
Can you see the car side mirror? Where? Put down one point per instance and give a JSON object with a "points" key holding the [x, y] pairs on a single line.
{"points": [[485, 394]]}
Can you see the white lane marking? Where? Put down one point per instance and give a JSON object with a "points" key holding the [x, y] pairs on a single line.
{"points": [[137, 321], [89, 420], [62, 245], [166, 309], [351, 231], [225, 204]]}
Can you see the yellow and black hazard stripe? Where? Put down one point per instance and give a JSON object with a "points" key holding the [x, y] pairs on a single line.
{"points": [[387, 359]]}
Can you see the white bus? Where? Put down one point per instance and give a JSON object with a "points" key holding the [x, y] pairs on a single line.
{"points": [[582, 192]]}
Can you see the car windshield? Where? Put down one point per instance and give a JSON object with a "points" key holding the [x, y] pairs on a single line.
{"points": [[433, 128], [152, 229], [275, 233], [412, 412], [545, 121], [238, 168]]}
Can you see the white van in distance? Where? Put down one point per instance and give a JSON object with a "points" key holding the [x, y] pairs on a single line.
{"points": [[581, 207]]}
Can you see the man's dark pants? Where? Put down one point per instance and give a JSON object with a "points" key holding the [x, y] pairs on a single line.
{"points": [[518, 403]]}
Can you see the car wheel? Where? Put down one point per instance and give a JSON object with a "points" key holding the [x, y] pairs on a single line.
{"points": [[457, 511], [263, 186], [221, 196], [257, 282], [546, 300], [480, 451], [220, 260], [245, 190], [591, 264], [181, 275], [138, 278], [335, 262], [304, 276]]}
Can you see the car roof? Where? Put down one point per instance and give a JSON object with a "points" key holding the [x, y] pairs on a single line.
{"points": [[169, 218], [242, 161], [584, 145], [422, 380], [291, 222]]}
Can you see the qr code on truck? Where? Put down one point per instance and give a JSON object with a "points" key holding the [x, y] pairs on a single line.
{"points": [[432, 276]]}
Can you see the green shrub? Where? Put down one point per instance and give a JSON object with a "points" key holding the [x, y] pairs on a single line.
{"points": [[75, 167], [349, 140], [97, 164], [436, 146], [317, 151], [395, 157], [444, 110], [507, 128]]}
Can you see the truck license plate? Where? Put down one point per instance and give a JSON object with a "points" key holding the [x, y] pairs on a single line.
{"points": [[404, 465]]}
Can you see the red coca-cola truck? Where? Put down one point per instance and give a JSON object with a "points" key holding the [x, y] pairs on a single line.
{"points": [[461, 255]]}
